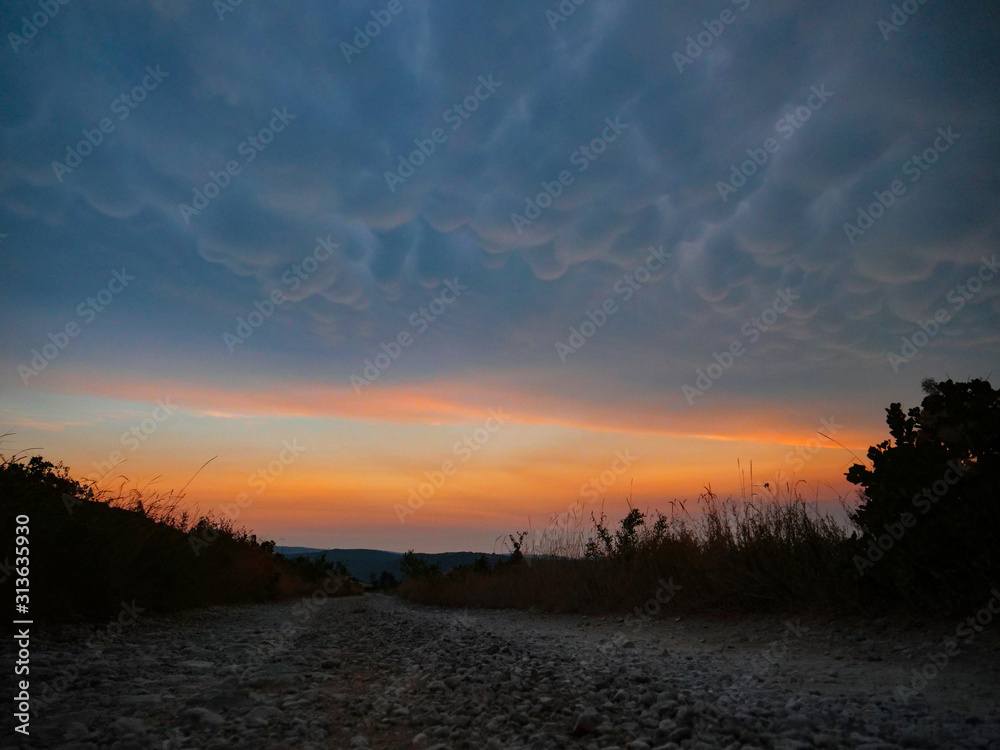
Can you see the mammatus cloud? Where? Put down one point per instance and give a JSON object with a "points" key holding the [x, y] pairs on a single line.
{"points": [[538, 159]]}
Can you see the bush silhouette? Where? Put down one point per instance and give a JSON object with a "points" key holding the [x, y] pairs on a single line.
{"points": [[91, 553], [629, 540], [516, 556], [930, 513], [414, 567], [928, 523], [385, 581]]}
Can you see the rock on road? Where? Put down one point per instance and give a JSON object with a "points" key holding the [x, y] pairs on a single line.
{"points": [[380, 672]]}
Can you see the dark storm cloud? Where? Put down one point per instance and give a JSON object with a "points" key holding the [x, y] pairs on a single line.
{"points": [[517, 99]]}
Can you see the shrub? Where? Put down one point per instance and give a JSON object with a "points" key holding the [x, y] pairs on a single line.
{"points": [[738, 557], [930, 498], [386, 581], [414, 567], [773, 553], [91, 551], [516, 556]]}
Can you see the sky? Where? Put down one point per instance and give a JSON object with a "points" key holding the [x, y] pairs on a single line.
{"points": [[420, 273]]}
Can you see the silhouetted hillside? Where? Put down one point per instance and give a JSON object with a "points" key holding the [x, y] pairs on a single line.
{"points": [[88, 555], [364, 563]]}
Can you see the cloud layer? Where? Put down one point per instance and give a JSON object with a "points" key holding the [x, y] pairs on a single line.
{"points": [[533, 157]]}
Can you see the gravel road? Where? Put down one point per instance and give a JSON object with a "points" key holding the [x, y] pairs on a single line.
{"points": [[379, 672]]}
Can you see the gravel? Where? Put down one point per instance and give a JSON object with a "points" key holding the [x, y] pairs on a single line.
{"points": [[378, 672]]}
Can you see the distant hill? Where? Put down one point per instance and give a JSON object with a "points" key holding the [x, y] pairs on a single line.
{"points": [[363, 563], [296, 551]]}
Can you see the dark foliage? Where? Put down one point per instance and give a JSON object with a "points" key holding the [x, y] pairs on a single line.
{"points": [[90, 555], [925, 541], [416, 568], [930, 502]]}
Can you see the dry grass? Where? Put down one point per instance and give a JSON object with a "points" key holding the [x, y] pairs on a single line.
{"points": [[93, 549], [737, 556]]}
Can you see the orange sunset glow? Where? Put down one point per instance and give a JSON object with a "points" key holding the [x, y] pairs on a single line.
{"points": [[674, 263]]}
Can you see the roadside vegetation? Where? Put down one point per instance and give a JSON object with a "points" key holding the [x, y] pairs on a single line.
{"points": [[91, 552], [921, 539]]}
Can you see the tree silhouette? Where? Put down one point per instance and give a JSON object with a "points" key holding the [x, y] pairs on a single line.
{"points": [[413, 567], [930, 499]]}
